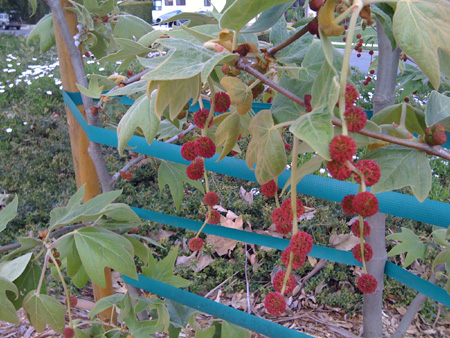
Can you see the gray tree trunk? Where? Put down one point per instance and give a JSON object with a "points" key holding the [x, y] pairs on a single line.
{"points": [[384, 96]]}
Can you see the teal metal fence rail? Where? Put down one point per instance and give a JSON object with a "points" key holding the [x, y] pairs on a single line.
{"points": [[405, 206]]}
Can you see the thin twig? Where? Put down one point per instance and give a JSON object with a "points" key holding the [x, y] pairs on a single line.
{"points": [[272, 51], [319, 266], [220, 285], [249, 305]]}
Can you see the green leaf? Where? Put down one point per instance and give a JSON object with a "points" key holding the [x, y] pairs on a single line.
{"points": [[81, 278], [266, 148], [400, 167], [325, 90], [141, 115], [195, 19], [187, 60], [241, 12], [27, 282], [384, 14], [42, 310], [440, 236], [99, 248], [437, 110], [8, 213], [132, 88], [33, 4], [227, 133], [421, 28], [140, 250], [76, 212], [174, 332], [162, 270], [306, 168], [179, 314], [105, 8], [316, 129], [131, 27], [268, 18], [410, 243], [174, 175], [443, 257], [44, 32], [67, 249], [94, 91], [11, 270], [232, 330], [106, 302], [7, 309], [415, 119], [163, 316], [130, 50], [207, 333], [26, 243]]}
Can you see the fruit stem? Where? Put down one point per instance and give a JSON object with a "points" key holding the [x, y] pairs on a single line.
{"points": [[41, 279], [362, 186], [361, 238], [403, 116], [204, 223], [66, 292], [213, 106], [355, 8]]}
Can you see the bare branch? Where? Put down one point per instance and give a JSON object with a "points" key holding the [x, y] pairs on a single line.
{"points": [[272, 51]]}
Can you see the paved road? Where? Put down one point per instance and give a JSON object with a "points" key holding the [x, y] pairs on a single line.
{"points": [[24, 30]]}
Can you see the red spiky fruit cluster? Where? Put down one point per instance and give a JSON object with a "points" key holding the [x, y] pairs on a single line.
{"points": [[356, 229], [339, 170], [371, 171], [188, 151], [368, 252], [200, 118], [347, 204], [222, 102], [283, 225], [73, 301], [367, 283], [365, 204], [275, 303], [297, 261], [351, 95], [301, 243], [205, 147], [195, 169], [211, 198], [195, 244], [69, 332], [278, 282], [342, 148], [355, 118], [286, 208], [269, 189], [214, 218], [435, 135]]}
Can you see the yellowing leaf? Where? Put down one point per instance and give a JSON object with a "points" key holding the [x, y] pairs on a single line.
{"points": [[240, 94], [227, 134], [326, 20], [266, 148], [226, 39], [422, 28]]}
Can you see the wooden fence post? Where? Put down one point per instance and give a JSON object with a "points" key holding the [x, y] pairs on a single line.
{"points": [[85, 172]]}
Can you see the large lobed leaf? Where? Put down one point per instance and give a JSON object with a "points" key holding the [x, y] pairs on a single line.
{"points": [[266, 148], [44, 32], [438, 110], [422, 28], [410, 243], [227, 134], [401, 167], [141, 115], [7, 309], [8, 213], [43, 310]]}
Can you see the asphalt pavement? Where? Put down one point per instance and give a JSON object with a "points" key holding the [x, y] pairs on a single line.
{"points": [[24, 30]]}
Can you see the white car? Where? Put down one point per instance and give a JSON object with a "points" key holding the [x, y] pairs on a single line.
{"points": [[8, 21]]}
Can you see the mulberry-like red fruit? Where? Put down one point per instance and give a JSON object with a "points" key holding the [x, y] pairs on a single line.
{"points": [[368, 252], [284, 228], [351, 95], [214, 218], [356, 230], [371, 171], [200, 118], [342, 148], [275, 303], [73, 301], [287, 208], [69, 332], [278, 282], [355, 117], [211, 199], [339, 170], [269, 189], [347, 204], [188, 151], [222, 102], [278, 217], [365, 204], [297, 262], [195, 244], [301, 243], [196, 169], [435, 135], [367, 283], [205, 147]]}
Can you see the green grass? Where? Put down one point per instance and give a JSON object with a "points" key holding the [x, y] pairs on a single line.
{"points": [[36, 164]]}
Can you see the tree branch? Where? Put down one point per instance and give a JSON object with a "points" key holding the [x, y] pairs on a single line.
{"points": [[244, 65], [275, 49]]}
